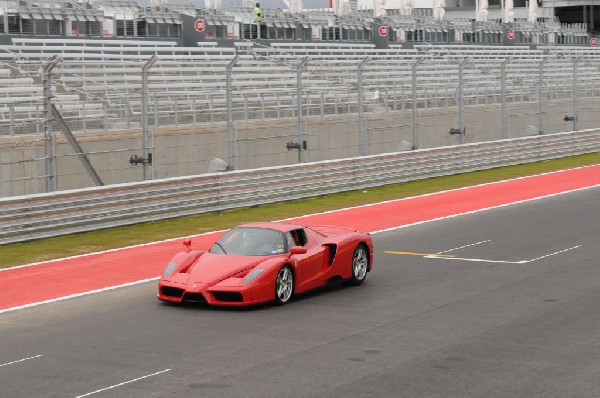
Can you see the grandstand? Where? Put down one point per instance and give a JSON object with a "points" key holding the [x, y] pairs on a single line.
{"points": [[98, 82]]}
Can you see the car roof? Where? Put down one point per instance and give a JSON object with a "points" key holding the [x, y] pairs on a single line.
{"points": [[278, 226]]}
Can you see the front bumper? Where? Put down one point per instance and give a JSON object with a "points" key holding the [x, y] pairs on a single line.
{"points": [[215, 295]]}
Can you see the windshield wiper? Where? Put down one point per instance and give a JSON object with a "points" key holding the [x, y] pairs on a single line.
{"points": [[221, 246]]}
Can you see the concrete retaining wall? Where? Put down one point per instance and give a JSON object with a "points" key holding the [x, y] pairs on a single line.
{"points": [[188, 149]]}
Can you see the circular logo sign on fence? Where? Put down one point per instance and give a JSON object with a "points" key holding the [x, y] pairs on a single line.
{"points": [[199, 25], [510, 34], [383, 31], [593, 42]]}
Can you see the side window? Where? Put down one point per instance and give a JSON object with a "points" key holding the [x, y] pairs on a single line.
{"points": [[299, 237], [289, 241]]}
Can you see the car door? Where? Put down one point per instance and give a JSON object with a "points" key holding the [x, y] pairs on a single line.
{"points": [[309, 266]]}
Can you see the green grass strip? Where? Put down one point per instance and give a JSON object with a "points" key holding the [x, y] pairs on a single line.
{"points": [[88, 242]]}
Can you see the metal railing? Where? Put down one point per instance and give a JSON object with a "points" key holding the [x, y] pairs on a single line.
{"points": [[46, 215], [335, 107]]}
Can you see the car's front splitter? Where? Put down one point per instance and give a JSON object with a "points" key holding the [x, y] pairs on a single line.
{"points": [[222, 295]]}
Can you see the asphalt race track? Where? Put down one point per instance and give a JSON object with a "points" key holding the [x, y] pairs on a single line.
{"points": [[499, 303]]}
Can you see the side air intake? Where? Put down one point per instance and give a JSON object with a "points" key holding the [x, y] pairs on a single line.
{"points": [[332, 252]]}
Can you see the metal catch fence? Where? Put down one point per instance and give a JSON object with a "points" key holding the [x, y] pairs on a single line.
{"points": [[332, 107]]}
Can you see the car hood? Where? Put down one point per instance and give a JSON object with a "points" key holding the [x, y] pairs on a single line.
{"points": [[212, 268]]}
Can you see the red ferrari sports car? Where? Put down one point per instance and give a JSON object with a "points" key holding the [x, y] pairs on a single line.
{"points": [[269, 261]]}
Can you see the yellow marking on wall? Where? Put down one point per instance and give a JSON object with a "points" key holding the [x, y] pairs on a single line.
{"points": [[419, 254]]}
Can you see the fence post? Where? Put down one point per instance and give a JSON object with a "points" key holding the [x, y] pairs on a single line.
{"points": [[575, 95], [128, 113], [84, 118], [37, 119], [301, 135], [105, 114], [348, 101], [156, 115], [503, 115], [362, 134], [415, 143], [49, 144], [335, 100], [11, 127], [386, 99], [461, 100], [194, 111], [322, 104], [232, 159], [540, 93], [145, 70], [278, 105]]}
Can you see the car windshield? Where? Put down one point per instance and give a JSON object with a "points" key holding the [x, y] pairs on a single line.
{"points": [[247, 241]]}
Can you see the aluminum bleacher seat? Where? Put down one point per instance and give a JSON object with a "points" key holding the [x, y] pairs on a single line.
{"points": [[117, 53], [479, 51], [324, 45], [572, 51], [42, 41], [97, 77]]}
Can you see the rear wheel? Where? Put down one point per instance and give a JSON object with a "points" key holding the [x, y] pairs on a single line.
{"points": [[284, 285], [360, 265]]}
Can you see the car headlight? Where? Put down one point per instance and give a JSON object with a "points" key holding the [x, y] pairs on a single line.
{"points": [[169, 269], [252, 275]]}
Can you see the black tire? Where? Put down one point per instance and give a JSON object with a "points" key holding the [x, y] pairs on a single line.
{"points": [[359, 265], [284, 285]]}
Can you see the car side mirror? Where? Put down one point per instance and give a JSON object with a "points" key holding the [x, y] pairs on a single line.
{"points": [[188, 245], [297, 250]]}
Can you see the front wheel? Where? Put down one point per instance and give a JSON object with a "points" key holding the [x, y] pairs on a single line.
{"points": [[284, 285], [360, 265]]}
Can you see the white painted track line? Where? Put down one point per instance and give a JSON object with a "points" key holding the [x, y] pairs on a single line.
{"points": [[78, 295], [485, 209], [478, 260], [19, 360], [481, 260], [552, 254], [122, 384], [462, 247]]}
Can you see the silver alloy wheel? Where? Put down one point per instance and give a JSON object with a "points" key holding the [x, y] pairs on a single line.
{"points": [[360, 264], [285, 284]]}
